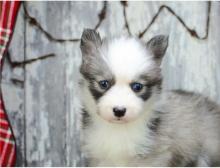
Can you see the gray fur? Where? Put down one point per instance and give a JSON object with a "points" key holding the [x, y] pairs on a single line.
{"points": [[158, 46], [152, 83], [189, 128], [85, 118], [146, 94], [92, 61], [95, 89], [93, 66], [90, 41], [185, 132]]}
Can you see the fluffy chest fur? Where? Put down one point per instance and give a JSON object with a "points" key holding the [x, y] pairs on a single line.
{"points": [[116, 144]]}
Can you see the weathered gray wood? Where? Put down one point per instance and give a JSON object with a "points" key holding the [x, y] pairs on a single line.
{"points": [[191, 63], [45, 110], [113, 24], [214, 51], [54, 129]]}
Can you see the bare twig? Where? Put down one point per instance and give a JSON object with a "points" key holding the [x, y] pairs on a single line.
{"points": [[124, 5], [192, 32], [29, 61], [35, 22], [102, 15]]}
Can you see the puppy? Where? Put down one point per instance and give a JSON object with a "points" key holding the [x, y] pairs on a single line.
{"points": [[129, 120]]}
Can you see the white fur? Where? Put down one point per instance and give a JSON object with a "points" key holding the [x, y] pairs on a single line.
{"points": [[115, 144], [128, 58]]}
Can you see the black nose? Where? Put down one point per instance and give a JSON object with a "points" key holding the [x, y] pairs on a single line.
{"points": [[119, 111]]}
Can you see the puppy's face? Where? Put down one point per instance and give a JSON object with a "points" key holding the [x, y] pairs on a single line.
{"points": [[122, 73]]}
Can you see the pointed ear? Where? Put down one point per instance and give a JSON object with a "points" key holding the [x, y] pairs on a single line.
{"points": [[158, 45], [90, 41]]}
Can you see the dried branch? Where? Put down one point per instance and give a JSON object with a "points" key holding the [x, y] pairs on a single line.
{"points": [[124, 5], [29, 61], [192, 32], [35, 22], [102, 15]]}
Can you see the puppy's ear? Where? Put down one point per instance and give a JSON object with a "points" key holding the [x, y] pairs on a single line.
{"points": [[158, 45], [90, 41]]}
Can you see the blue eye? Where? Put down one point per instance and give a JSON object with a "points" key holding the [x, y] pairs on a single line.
{"points": [[136, 87], [104, 84]]}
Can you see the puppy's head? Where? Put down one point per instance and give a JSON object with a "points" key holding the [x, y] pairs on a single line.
{"points": [[122, 73]]}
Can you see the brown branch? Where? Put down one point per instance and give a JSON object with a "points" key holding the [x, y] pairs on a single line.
{"points": [[208, 20], [14, 64], [124, 5], [36, 23], [29, 61], [102, 15], [192, 32]]}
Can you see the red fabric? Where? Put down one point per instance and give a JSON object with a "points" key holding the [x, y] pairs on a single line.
{"points": [[8, 13]]}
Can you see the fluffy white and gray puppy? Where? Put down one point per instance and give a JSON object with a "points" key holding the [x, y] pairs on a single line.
{"points": [[129, 120]]}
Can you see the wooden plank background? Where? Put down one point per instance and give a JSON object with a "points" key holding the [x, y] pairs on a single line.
{"points": [[40, 73]]}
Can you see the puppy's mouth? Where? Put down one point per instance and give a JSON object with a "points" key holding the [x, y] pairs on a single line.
{"points": [[115, 120], [118, 120]]}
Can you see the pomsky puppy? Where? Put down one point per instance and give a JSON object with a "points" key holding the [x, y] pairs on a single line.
{"points": [[129, 120]]}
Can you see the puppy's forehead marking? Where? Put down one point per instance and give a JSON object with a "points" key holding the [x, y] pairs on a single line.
{"points": [[127, 58]]}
